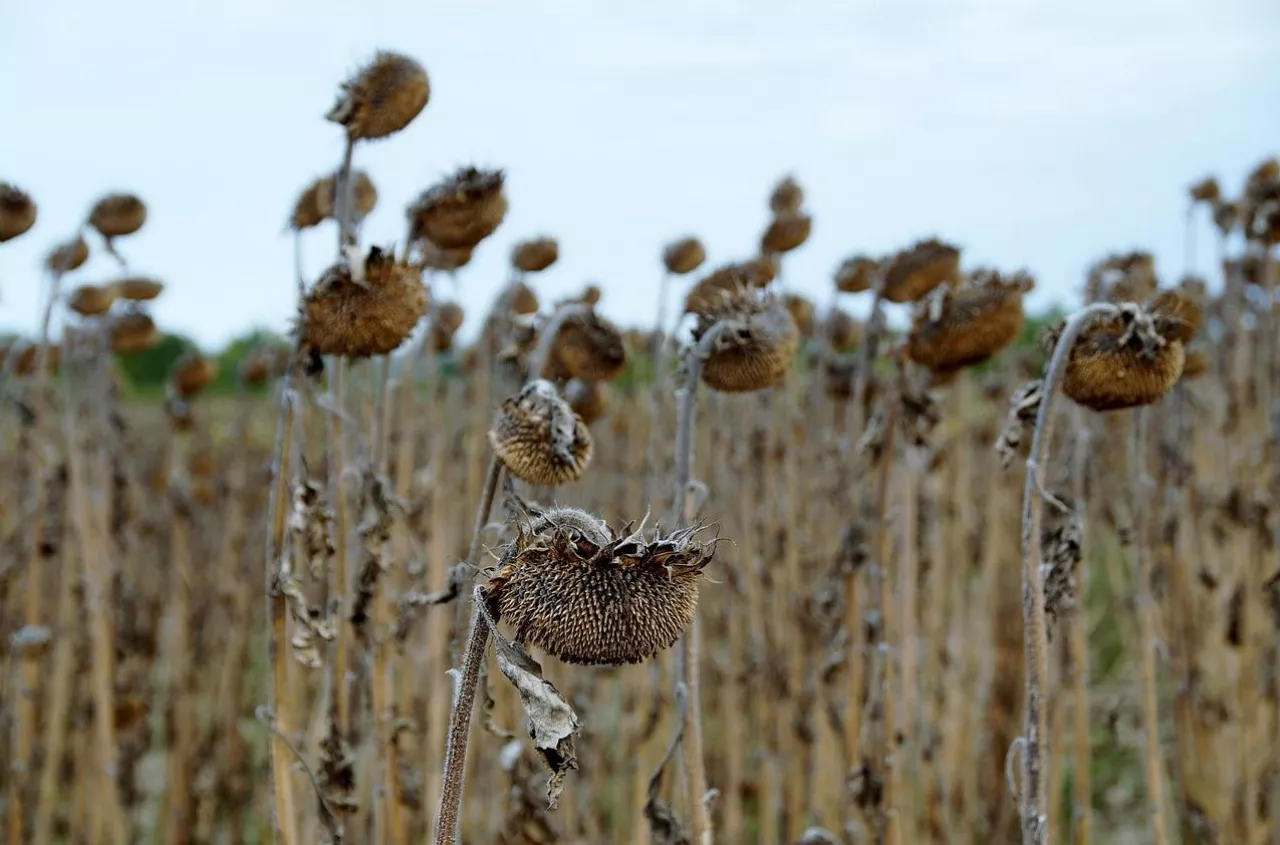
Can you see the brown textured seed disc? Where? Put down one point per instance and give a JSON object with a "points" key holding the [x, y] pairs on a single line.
{"points": [[974, 326], [138, 288], [461, 211], [1105, 376], [92, 300], [914, 273], [573, 589], [534, 256], [755, 347], [382, 98], [117, 215], [69, 256], [590, 348], [538, 437], [786, 232], [343, 317], [17, 212], [857, 274], [684, 256]]}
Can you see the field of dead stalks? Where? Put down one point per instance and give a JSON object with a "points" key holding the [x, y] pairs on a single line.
{"points": [[760, 573]]}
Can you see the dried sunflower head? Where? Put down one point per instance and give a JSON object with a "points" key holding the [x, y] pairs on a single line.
{"points": [[589, 347], [684, 256], [138, 288], [314, 205], [724, 281], [538, 437], [913, 273], [786, 232], [17, 212], [192, 373], [363, 307], [69, 256], [521, 299], [536, 255], [1128, 277], [1177, 315], [1226, 216], [381, 98], [1262, 215], [843, 332], [1123, 362], [570, 585], [117, 215], [445, 322], [461, 211], [1206, 190], [255, 370], [364, 196], [133, 332], [755, 344], [955, 328], [787, 196], [856, 274], [588, 399], [802, 313], [92, 300]]}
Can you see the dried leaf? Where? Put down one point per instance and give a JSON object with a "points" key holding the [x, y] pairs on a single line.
{"points": [[552, 722]]}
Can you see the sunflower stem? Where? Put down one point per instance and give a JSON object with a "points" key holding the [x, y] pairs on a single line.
{"points": [[867, 356], [693, 762], [1034, 810], [24, 726], [542, 352], [1153, 764], [343, 197], [455, 755]]}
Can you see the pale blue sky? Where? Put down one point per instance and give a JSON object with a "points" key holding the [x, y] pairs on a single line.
{"points": [[1034, 134]]}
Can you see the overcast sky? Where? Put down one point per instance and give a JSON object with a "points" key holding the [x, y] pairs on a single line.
{"points": [[1034, 134]]}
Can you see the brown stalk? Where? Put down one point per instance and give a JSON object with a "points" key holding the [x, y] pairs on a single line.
{"points": [[1147, 639], [455, 757], [61, 693], [29, 684], [1078, 631], [182, 693], [279, 703]]}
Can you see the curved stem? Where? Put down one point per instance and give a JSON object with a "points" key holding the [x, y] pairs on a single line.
{"points": [[542, 352], [1036, 639], [342, 198], [693, 760], [455, 755]]}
